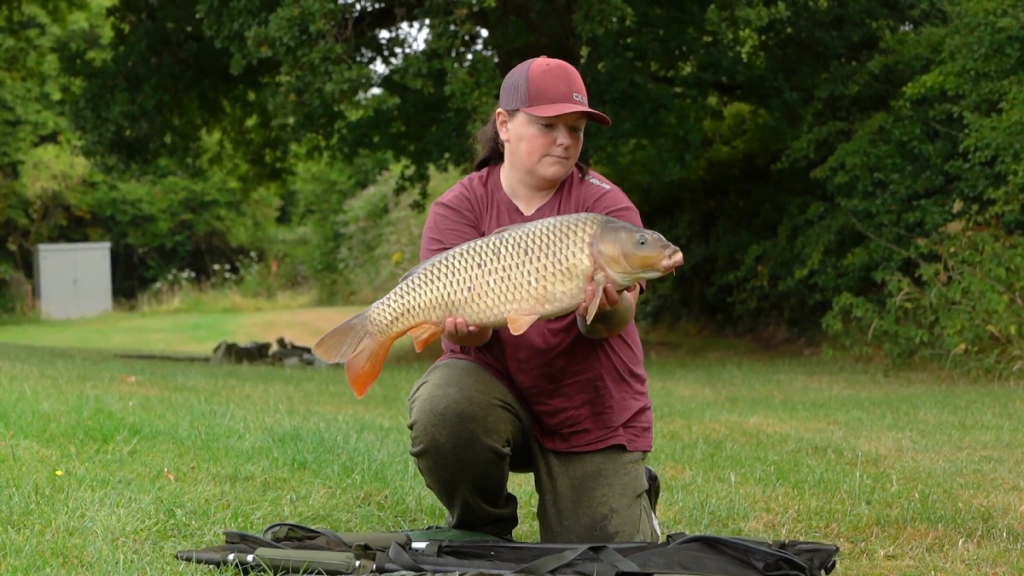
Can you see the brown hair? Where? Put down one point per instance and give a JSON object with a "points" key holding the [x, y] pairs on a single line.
{"points": [[490, 150]]}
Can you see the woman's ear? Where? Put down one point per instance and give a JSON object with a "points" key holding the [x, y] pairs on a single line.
{"points": [[501, 121]]}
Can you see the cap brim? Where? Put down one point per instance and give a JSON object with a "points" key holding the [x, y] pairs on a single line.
{"points": [[547, 110]]}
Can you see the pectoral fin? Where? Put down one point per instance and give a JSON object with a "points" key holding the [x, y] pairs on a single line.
{"points": [[518, 323], [424, 334], [599, 282]]}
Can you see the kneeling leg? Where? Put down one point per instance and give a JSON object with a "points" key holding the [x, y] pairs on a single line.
{"points": [[466, 432]]}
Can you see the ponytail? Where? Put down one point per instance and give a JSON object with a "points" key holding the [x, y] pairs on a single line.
{"points": [[490, 150]]}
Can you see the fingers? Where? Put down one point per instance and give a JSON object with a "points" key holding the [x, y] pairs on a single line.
{"points": [[611, 297], [456, 326]]}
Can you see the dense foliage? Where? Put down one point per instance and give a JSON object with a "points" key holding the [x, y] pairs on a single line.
{"points": [[854, 167]]}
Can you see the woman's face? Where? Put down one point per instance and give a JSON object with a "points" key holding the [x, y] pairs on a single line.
{"points": [[543, 149]]}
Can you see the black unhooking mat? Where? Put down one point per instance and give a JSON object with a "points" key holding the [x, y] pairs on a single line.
{"points": [[286, 548]]}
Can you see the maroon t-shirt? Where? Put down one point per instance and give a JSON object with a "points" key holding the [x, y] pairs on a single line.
{"points": [[584, 394]]}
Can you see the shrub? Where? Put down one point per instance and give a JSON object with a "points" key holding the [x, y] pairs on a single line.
{"points": [[963, 305]]}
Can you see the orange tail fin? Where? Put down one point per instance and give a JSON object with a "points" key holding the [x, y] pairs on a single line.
{"points": [[352, 342], [366, 364]]}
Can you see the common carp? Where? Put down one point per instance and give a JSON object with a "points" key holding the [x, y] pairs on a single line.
{"points": [[511, 278]]}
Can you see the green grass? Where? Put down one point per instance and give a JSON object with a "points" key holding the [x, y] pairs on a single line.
{"points": [[185, 331], [908, 473]]}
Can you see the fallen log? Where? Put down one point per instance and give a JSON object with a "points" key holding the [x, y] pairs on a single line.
{"points": [[226, 352]]}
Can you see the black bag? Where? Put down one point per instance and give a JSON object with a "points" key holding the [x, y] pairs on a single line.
{"points": [[286, 548]]}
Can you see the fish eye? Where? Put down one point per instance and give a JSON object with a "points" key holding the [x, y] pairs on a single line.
{"points": [[641, 239]]}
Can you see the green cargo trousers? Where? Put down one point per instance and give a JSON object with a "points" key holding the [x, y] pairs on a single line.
{"points": [[468, 432]]}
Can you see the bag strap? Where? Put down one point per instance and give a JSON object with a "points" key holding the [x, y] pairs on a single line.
{"points": [[552, 562], [816, 559], [277, 531], [750, 553], [755, 547], [538, 567], [399, 556]]}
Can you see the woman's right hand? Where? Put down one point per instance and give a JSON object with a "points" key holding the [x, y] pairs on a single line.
{"points": [[459, 333]]}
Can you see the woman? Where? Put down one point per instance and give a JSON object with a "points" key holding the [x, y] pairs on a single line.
{"points": [[565, 400]]}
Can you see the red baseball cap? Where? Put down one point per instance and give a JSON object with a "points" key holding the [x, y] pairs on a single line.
{"points": [[547, 87]]}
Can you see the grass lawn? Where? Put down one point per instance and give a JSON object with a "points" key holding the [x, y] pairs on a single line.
{"points": [[110, 465], [187, 332]]}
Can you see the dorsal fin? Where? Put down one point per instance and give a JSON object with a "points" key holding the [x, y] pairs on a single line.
{"points": [[417, 267], [504, 229]]}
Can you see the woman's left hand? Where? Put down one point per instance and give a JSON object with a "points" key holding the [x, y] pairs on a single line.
{"points": [[609, 299]]}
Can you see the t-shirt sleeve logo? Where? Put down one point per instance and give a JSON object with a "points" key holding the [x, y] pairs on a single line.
{"points": [[597, 182]]}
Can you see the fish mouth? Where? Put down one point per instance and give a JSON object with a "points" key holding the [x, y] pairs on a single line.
{"points": [[672, 260]]}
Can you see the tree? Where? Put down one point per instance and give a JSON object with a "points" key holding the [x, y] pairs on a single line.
{"points": [[40, 171], [786, 146], [273, 73], [186, 214]]}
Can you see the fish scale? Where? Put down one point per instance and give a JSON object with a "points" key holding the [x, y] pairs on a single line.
{"points": [[540, 266]]}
